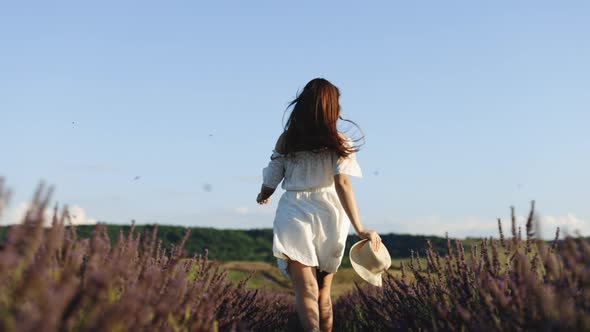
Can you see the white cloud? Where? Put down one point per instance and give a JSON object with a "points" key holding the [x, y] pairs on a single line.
{"points": [[437, 225], [477, 227], [257, 210], [242, 210], [77, 214], [567, 224]]}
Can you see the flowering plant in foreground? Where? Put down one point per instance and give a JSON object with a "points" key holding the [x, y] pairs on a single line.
{"points": [[501, 285], [52, 281]]}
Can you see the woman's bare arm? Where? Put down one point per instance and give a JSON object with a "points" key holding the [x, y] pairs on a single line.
{"points": [[346, 196], [266, 192]]}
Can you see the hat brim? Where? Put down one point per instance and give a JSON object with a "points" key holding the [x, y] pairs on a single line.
{"points": [[374, 279]]}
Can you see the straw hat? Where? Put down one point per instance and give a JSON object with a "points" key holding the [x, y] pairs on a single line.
{"points": [[369, 264]]}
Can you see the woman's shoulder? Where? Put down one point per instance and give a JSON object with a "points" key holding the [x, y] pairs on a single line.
{"points": [[280, 145]]}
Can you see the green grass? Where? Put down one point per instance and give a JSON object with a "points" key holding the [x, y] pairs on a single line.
{"points": [[266, 275]]}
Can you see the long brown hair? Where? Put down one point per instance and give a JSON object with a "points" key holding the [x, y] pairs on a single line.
{"points": [[312, 123]]}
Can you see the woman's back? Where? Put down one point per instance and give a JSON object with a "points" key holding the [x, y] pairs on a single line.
{"points": [[308, 170]]}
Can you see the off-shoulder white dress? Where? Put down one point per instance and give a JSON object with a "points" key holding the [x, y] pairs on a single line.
{"points": [[310, 225]]}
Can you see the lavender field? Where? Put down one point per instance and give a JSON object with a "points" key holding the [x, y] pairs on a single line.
{"points": [[52, 281]]}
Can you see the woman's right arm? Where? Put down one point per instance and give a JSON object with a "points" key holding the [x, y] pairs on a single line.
{"points": [[273, 174], [346, 196]]}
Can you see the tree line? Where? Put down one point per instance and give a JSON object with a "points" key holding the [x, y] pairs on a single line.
{"points": [[251, 244]]}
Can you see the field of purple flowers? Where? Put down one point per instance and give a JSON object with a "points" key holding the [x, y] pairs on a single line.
{"points": [[52, 281], [510, 284]]}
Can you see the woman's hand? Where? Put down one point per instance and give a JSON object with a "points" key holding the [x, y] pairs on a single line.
{"points": [[372, 236], [264, 195], [261, 200]]}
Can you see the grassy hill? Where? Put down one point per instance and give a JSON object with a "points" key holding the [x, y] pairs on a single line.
{"points": [[266, 275], [245, 252], [228, 245]]}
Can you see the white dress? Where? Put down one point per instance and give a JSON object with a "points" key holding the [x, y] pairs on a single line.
{"points": [[310, 224]]}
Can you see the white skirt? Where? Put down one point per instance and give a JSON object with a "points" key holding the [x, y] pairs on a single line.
{"points": [[310, 227]]}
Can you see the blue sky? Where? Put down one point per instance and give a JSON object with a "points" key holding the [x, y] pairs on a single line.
{"points": [[468, 107]]}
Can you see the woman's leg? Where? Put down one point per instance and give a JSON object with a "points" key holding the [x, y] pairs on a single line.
{"points": [[325, 300], [306, 294]]}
